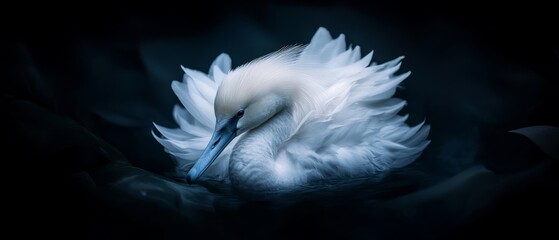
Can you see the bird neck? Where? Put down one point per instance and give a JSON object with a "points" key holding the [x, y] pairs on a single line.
{"points": [[252, 166]]}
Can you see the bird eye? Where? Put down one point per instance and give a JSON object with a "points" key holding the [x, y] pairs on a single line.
{"points": [[240, 113]]}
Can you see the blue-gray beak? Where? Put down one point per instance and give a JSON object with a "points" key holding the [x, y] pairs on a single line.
{"points": [[225, 131]]}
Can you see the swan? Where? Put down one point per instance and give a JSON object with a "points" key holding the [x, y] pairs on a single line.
{"points": [[291, 119]]}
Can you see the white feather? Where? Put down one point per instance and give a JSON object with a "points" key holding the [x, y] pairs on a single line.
{"points": [[342, 122]]}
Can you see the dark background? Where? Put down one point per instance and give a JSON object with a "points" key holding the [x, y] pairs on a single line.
{"points": [[477, 73]]}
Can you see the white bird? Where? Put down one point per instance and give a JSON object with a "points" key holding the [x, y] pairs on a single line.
{"points": [[291, 119]]}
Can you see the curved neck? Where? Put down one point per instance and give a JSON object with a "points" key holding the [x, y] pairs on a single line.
{"points": [[252, 166]]}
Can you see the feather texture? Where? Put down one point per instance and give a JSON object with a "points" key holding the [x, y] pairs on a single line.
{"points": [[342, 121]]}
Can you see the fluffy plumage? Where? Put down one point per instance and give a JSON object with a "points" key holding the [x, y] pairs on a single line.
{"points": [[313, 112]]}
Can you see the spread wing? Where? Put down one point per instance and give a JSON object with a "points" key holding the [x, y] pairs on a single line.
{"points": [[356, 131], [196, 119]]}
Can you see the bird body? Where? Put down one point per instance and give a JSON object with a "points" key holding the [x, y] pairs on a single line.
{"points": [[292, 118]]}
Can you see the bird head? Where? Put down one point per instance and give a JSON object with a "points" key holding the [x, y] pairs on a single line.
{"points": [[249, 96]]}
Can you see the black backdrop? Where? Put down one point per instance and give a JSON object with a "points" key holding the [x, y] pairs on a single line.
{"points": [[477, 73]]}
